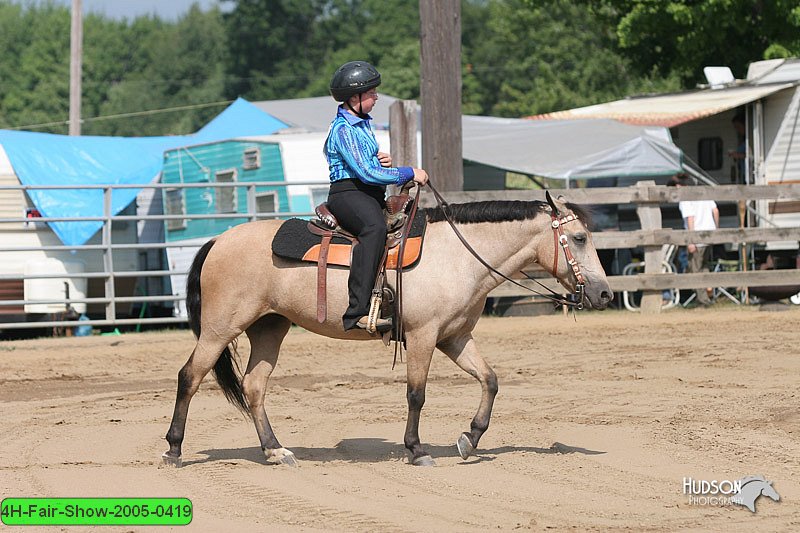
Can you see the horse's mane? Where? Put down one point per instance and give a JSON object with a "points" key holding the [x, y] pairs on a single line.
{"points": [[499, 211]]}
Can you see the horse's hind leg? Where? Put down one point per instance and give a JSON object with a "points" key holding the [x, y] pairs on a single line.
{"points": [[200, 363], [265, 335], [463, 352]]}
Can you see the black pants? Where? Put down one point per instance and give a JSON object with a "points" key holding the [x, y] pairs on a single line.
{"points": [[359, 209]]}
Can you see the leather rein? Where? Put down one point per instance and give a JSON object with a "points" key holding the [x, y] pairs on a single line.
{"points": [[560, 240]]}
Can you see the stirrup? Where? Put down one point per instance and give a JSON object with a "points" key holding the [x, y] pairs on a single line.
{"points": [[381, 324]]}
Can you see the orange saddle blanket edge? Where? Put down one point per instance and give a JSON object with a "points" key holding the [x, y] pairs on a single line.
{"points": [[339, 254]]}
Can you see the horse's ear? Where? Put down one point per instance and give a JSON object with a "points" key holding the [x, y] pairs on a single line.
{"points": [[552, 204]]}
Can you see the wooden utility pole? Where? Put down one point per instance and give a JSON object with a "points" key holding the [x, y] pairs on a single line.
{"points": [[403, 133], [440, 51], [75, 68]]}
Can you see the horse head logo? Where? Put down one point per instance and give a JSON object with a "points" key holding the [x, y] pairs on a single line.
{"points": [[752, 488]]}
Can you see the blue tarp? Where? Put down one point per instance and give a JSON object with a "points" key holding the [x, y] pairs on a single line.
{"points": [[49, 159]]}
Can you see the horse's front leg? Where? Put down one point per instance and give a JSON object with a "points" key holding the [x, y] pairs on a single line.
{"points": [[419, 362], [463, 352]]}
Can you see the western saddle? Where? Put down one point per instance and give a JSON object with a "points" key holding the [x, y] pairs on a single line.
{"points": [[399, 214]]}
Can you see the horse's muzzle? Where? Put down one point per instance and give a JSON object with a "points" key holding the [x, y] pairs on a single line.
{"points": [[600, 300]]}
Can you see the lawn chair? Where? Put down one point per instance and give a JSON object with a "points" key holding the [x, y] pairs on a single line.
{"points": [[670, 297]]}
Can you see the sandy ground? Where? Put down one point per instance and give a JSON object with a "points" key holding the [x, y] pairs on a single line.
{"points": [[596, 425]]}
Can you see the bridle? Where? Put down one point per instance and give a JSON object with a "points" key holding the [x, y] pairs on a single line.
{"points": [[559, 239]]}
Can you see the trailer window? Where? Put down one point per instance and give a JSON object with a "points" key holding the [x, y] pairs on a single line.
{"points": [[251, 158], [225, 197], [318, 195], [266, 202], [175, 205], [709, 153]]}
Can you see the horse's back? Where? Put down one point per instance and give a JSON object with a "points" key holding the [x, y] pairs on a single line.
{"points": [[242, 269], [256, 233]]}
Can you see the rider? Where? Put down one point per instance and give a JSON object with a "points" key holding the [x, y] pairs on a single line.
{"points": [[359, 174]]}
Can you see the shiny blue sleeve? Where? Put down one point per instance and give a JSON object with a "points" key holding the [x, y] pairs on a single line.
{"points": [[364, 164]]}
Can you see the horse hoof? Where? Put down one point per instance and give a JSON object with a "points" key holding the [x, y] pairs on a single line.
{"points": [[464, 445], [171, 460], [425, 460], [280, 456], [289, 460]]}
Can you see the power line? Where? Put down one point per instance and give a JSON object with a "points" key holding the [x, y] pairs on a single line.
{"points": [[123, 115]]}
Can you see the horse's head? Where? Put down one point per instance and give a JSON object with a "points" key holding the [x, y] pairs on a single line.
{"points": [[569, 254]]}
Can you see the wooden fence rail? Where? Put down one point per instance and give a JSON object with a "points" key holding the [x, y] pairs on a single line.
{"points": [[648, 198]]}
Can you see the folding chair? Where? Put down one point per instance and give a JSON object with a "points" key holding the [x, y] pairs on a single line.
{"points": [[671, 297]]}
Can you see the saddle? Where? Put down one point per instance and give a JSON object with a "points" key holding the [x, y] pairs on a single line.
{"points": [[396, 215], [324, 242]]}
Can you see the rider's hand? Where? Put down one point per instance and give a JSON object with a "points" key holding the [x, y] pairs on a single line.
{"points": [[420, 176], [384, 159]]}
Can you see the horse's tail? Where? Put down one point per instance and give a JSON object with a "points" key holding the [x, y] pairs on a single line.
{"points": [[226, 369], [193, 287]]}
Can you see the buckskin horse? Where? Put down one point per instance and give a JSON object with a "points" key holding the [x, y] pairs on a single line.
{"points": [[242, 287]]}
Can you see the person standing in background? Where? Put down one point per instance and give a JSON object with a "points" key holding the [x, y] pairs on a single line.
{"points": [[739, 155], [698, 215]]}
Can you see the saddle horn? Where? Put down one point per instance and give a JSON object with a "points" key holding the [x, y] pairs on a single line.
{"points": [[550, 201]]}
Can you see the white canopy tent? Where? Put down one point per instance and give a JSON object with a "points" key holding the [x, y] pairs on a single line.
{"points": [[556, 149], [570, 149]]}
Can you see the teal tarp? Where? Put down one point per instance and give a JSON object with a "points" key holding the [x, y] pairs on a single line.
{"points": [[49, 159]]}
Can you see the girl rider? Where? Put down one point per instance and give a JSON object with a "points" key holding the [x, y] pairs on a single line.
{"points": [[359, 175]]}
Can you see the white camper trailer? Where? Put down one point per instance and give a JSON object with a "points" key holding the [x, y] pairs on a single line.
{"points": [[701, 123], [16, 267]]}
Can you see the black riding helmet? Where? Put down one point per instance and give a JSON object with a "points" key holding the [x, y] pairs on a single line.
{"points": [[352, 78]]}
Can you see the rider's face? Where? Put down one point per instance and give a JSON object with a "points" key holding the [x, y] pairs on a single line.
{"points": [[365, 100]]}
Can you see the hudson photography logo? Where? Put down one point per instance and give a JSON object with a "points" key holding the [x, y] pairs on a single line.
{"points": [[744, 491]]}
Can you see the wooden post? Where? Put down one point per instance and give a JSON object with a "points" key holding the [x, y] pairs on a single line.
{"points": [[744, 257], [440, 54], [403, 133], [650, 218], [75, 68]]}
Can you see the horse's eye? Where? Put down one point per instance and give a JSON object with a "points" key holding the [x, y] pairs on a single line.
{"points": [[579, 238]]}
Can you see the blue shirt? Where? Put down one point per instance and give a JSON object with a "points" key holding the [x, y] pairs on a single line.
{"points": [[352, 152]]}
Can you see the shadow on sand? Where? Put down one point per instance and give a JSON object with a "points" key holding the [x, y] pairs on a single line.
{"points": [[373, 450]]}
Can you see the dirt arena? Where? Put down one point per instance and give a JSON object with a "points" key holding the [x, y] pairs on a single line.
{"points": [[596, 425]]}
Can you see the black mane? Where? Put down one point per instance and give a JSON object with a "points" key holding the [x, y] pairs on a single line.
{"points": [[499, 211]]}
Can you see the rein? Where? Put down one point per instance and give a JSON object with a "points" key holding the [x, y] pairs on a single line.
{"points": [[559, 239]]}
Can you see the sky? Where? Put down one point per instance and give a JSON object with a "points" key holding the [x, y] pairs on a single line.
{"points": [[121, 9]]}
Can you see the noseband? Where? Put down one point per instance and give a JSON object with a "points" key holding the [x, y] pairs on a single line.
{"points": [[559, 238]]}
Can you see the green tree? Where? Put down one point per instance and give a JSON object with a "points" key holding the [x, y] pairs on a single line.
{"points": [[128, 67], [106, 50], [37, 87], [400, 70], [520, 57], [171, 65], [681, 37], [274, 46], [537, 57], [14, 38], [290, 48]]}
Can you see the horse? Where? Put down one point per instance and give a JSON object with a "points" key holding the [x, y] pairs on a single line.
{"points": [[751, 488], [237, 285]]}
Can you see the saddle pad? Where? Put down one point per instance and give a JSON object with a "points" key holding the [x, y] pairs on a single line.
{"points": [[294, 241]]}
